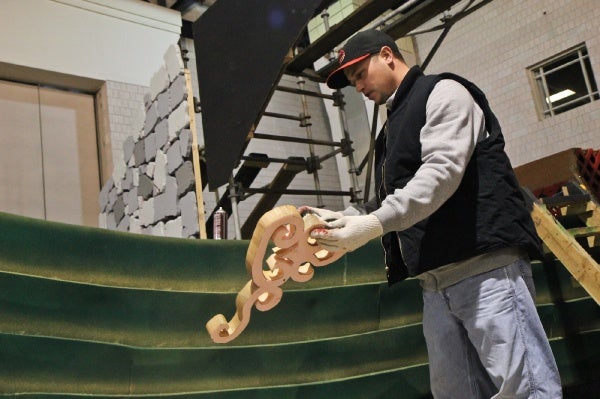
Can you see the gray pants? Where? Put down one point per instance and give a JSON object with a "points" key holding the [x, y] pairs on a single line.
{"points": [[485, 339]]}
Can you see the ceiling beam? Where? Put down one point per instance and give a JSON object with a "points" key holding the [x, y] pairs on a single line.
{"points": [[340, 32], [418, 16], [361, 17]]}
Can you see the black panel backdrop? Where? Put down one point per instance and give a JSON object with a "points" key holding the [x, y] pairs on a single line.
{"points": [[240, 49]]}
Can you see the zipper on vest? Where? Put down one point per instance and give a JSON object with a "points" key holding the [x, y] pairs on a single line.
{"points": [[383, 185]]}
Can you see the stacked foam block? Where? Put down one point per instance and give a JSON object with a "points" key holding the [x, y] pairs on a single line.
{"points": [[152, 191]]}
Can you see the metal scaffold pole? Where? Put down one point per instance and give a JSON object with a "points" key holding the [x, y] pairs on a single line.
{"points": [[314, 160], [233, 196], [338, 101], [348, 152]]}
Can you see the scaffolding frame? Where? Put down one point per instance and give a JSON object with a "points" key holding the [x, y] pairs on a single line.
{"points": [[401, 21]]}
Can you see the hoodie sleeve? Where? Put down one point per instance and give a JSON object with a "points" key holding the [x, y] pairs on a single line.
{"points": [[454, 124]]}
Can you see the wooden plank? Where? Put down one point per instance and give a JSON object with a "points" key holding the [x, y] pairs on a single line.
{"points": [[593, 221], [195, 155], [567, 200], [586, 210], [579, 232], [579, 263]]}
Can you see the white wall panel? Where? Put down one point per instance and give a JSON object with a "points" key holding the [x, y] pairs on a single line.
{"points": [[48, 154], [118, 40], [21, 178], [70, 157]]}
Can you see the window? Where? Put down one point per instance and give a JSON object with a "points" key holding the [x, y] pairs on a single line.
{"points": [[564, 82]]}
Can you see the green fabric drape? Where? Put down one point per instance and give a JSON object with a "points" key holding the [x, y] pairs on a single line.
{"points": [[86, 311]]}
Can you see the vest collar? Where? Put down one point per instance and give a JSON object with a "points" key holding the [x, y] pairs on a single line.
{"points": [[411, 76]]}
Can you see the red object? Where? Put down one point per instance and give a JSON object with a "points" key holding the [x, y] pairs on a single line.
{"points": [[220, 224], [588, 162]]}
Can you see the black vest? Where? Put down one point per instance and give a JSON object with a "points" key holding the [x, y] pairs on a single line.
{"points": [[486, 213]]}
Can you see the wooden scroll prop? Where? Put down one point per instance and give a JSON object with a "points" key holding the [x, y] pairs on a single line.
{"points": [[294, 255]]}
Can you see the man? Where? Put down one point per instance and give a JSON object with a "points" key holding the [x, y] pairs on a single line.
{"points": [[451, 214]]}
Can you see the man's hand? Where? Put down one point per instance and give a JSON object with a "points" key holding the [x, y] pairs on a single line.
{"points": [[348, 233], [324, 214]]}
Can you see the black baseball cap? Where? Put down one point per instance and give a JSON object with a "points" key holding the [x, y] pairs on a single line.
{"points": [[356, 49]]}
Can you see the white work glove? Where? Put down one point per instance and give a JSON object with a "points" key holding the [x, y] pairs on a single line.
{"points": [[348, 233], [324, 214]]}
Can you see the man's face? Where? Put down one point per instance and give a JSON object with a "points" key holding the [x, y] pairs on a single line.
{"points": [[371, 77]]}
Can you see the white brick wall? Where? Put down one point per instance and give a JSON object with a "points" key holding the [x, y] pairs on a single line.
{"points": [[125, 102], [494, 46]]}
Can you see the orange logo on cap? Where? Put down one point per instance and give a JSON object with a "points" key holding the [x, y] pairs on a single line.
{"points": [[341, 55]]}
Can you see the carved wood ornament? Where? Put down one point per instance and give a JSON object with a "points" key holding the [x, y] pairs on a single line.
{"points": [[294, 255]]}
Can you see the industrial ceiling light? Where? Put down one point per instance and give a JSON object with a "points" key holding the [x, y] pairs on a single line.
{"points": [[559, 96]]}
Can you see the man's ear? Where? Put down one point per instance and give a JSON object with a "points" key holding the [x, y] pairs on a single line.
{"points": [[386, 54]]}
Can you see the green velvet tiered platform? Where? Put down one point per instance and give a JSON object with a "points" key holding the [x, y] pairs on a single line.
{"points": [[88, 312]]}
